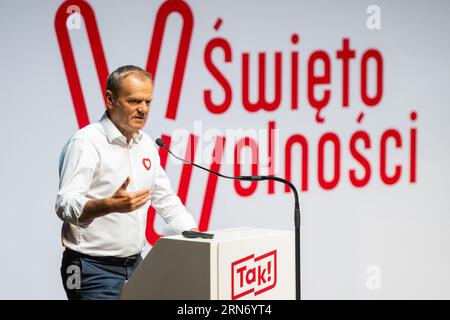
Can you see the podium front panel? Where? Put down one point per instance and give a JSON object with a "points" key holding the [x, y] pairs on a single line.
{"points": [[261, 266]]}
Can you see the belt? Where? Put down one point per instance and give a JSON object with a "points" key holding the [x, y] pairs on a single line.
{"points": [[117, 261]]}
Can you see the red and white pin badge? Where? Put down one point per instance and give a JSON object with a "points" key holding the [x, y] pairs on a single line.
{"points": [[147, 163]]}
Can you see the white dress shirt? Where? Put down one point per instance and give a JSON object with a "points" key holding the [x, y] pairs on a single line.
{"points": [[93, 165]]}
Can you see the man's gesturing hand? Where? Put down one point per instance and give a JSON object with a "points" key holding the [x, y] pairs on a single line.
{"points": [[121, 201], [124, 201]]}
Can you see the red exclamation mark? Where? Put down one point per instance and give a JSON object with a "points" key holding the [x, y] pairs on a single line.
{"points": [[269, 264]]}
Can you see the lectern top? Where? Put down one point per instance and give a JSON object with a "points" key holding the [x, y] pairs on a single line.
{"points": [[233, 234]]}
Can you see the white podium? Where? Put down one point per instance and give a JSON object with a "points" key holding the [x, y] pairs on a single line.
{"points": [[242, 263]]}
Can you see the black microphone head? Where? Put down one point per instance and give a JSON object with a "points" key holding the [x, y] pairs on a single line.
{"points": [[159, 142]]}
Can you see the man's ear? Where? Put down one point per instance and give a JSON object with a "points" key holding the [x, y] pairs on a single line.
{"points": [[109, 99]]}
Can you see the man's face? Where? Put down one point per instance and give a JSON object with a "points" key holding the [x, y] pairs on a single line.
{"points": [[129, 107]]}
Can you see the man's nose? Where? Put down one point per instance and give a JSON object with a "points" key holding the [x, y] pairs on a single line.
{"points": [[143, 107]]}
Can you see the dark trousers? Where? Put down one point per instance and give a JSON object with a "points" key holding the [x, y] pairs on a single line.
{"points": [[88, 278]]}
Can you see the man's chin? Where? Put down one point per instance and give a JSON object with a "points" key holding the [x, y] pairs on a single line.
{"points": [[137, 128]]}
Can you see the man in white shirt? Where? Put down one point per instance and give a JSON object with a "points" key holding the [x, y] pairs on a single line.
{"points": [[110, 174]]}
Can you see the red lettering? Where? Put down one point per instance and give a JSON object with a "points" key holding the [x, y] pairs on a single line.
{"points": [[294, 74], [245, 142], [360, 182], [413, 150], [389, 134], [262, 102], [271, 151], [218, 108], [304, 160], [314, 80], [345, 54], [334, 139], [376, 55]]}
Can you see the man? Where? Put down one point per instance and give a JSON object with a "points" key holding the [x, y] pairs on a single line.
{"points": [[110, 174]]}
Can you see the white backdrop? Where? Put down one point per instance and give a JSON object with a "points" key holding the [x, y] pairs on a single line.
{"points": [[376, 241]]}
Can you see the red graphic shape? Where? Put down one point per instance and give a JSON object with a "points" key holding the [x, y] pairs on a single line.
{"points": [[211, 184], [147, 163], [166, 9], [70, 67]]}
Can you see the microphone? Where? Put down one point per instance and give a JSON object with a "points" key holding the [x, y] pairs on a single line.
{"points": [[160, 143]]}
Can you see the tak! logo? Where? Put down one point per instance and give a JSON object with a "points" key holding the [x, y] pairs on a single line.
{"points": [[253, 275]]}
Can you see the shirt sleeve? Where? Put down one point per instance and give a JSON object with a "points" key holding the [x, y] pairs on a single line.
{"points": [[168, 205], [77, 164]]}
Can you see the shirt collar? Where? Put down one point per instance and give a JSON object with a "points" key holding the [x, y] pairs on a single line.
{"points": [[112, 133]]}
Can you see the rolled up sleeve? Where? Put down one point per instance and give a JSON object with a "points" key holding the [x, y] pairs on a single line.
{"points": [[168, 205], [77, 164]]}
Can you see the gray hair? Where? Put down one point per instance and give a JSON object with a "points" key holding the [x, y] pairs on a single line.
{"points": [[115, 78]]}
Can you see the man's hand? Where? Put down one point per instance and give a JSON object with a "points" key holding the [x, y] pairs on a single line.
{"points": [[124, 201], [121, 201]]}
